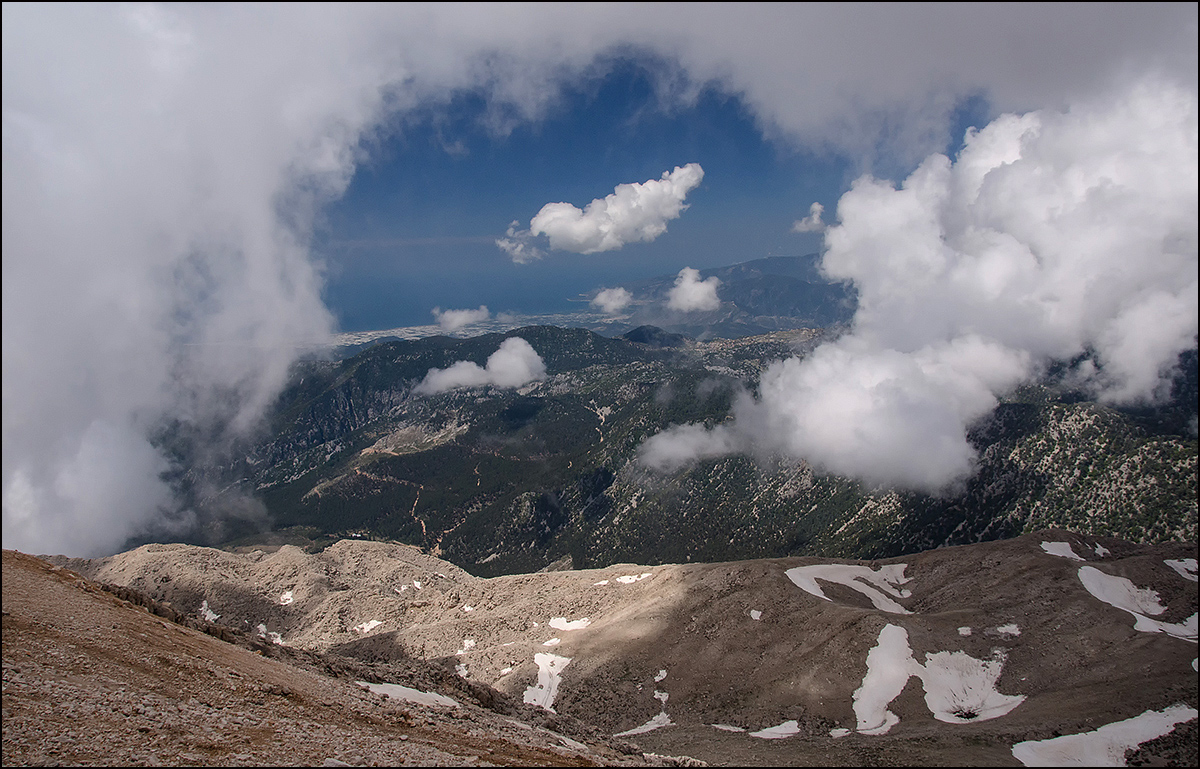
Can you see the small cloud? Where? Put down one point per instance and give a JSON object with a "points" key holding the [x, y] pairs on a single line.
{"points": [[519, 245], [514, 364], [612, 300], [453, 320], [691, 294], [633, 213], [812, 222]]}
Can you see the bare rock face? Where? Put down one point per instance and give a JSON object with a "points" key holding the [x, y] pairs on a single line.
{"points": [[955, 655]]}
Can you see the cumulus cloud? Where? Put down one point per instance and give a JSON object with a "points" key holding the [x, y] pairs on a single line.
{"points": [[812, 222], [453, 320], [162, 166], [633, 213], [612, 300], [690, 294], [514, 364], [1051, 235]]}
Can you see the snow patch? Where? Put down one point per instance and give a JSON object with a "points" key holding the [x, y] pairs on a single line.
{"points": [[552, 642], [875, 585], [550, 668], [1102, 551], [629, 579], [208, 613], [272, 636], [1105, 746], [964, 631], [778, 732], [839, 732], [561, 623], [1061, 549], [1010, 629], [398, 692], [461, 669], [468, 608], [661, 675], [1124, 595], [727, 728], [600, 583], [286, 598], [1185, 567], [755, 614], [367, 627], [468, 644], [658, 722], [958, 688]]}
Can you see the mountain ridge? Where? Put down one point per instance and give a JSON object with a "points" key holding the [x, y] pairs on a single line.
{"points": [[739, 644]]}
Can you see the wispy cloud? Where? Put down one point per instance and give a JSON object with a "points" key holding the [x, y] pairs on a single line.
{"points": [[633, 213], [812, 222]]}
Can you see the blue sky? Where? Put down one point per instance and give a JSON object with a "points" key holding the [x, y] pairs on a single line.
{"points": [[416, 228]]}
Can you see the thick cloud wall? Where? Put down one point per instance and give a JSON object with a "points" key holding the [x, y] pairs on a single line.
{"points": [[1051, 235], [633, 213], [516, 363], [162, 166]]}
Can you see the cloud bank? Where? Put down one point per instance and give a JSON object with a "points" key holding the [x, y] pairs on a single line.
{"points": [[453, 320], [162, 166], [690, 294], [633, 213], [612, 300], [1051, 235], [514, 364]]}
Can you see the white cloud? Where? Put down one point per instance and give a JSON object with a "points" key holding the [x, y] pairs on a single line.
{"points": [[612, 300], [812, 222], [514, 364], [162, 165], [453, 320], [1052, 233], [633, 213], [691, 294], [519, 245]]}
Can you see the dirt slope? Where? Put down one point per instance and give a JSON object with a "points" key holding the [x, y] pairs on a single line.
{"points": [[90, 679], [740, 644]]}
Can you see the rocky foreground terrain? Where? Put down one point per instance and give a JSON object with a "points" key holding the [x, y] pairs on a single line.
{"points": [[1027, 650]]}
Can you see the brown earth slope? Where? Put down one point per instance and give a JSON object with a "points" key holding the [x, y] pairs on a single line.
{"points": [[90, 679], [739, 644]]}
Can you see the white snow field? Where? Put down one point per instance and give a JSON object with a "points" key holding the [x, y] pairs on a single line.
{"points": [[877, 586], [1105, 746], [550, 668], [398, 692], [1124, 595]]}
